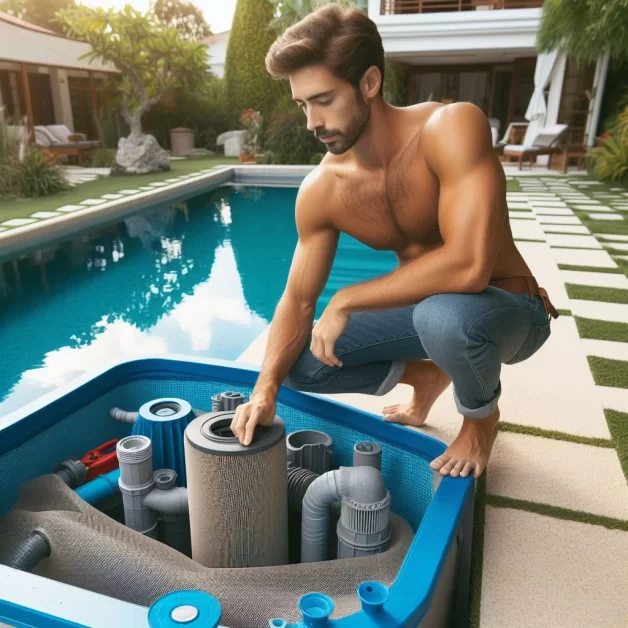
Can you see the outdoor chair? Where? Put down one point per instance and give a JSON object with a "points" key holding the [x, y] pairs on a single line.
{"points": [[60, 141], [544, 143]]}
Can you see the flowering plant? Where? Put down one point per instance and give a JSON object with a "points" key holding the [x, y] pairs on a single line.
{"points": [[252, 121]]}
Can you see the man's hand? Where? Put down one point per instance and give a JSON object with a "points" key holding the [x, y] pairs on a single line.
{"points": [[260, 410], [325, 333]]}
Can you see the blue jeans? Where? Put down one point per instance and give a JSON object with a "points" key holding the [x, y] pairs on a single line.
{"points": [[469, 336]]}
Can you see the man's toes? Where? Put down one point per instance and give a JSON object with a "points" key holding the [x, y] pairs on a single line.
{"points": [[437, 463], [455, 472], [468, 467], [389, 409], [479, 469], [446, 469]]}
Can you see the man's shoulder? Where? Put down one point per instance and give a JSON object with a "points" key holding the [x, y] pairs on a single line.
{"points": [[321, 182], [458, 132]]}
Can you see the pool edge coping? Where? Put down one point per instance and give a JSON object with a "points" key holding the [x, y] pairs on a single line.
{"points": [[28, 238]]}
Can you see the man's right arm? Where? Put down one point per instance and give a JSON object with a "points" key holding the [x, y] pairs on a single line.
{"points": [[294, 315]]}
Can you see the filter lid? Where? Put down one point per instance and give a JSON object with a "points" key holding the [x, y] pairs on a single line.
{"points": [[212, 433]]}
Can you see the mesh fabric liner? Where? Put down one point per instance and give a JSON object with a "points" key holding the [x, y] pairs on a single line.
{"points": [[92, 551]]}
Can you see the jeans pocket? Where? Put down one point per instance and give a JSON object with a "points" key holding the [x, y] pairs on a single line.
{"points": [[537, 335]]}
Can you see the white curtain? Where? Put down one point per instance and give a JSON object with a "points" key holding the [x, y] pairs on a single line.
{"points": [[537, 109]]}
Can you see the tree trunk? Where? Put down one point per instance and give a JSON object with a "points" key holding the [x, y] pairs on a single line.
{"points": [[139, 153]]}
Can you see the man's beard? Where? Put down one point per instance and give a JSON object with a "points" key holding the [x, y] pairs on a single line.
{"points": [[345, 140]]}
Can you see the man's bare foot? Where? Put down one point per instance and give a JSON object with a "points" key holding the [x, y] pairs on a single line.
{"points": [[471, 449], [429, 381]]}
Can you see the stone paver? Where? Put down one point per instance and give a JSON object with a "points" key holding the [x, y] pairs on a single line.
{"points": [[543, 572], [553, 211], [575, 229], [574, 241], [605, 217], [526, 230], [613, 398], [605, 280], [612, 237], [45, 215], [69, 208], [94, 201], [619, 246], [605, 348], [112, 197], [543, 470], [129, 191], [521, 215], [558, 220], [616, 312], [18, 222], [596, 208], [583, 257]]}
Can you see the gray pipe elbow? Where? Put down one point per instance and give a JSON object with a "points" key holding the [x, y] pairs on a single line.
{"points": [[363, 485], [171, 502]]}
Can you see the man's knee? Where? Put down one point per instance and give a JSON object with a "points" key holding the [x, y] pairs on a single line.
{"points": [[308, 373]]}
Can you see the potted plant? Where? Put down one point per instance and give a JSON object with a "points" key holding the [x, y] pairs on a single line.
{"points": [[252, 121]]}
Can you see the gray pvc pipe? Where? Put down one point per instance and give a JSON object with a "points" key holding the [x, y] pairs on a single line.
{"points": [[364, 485], [174, 501], [131, 417]]}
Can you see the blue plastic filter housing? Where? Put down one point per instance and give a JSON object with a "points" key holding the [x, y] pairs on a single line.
{"points": [[164, 422]]}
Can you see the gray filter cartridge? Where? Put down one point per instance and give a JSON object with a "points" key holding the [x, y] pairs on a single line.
{"points": [[237, 495]]}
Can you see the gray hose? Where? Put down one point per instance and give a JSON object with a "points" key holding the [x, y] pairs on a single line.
{"points": [[299, 481], [170, 502], [123, 415], [29, 553], [363, 485]]}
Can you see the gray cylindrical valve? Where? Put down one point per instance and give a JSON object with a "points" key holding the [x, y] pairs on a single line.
{"points": [[367, 453], [136, 481]]}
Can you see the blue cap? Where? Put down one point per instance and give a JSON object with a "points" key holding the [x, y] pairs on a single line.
{"points": [[316, 609], [185, 609], [373, 595]]}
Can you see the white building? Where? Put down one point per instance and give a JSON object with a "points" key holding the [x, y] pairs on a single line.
{"points": [[42, 77], [484, 51], [217, 52]]}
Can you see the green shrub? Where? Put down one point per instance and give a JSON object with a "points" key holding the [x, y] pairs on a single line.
{"points": [[395, 84], [204, 110], [610, 161], [36, 175], [248, 84], [102, 158], [288, 139]]}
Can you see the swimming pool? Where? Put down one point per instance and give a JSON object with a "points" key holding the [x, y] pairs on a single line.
{"points": [[200, 278]]}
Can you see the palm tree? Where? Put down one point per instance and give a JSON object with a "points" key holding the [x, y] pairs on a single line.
{"points": [[585, 29]]}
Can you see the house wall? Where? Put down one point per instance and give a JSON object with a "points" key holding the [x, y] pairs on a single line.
{"points": [[217, 53]]}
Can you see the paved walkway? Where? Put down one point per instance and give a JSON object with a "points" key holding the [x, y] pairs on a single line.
{"points": [[555, 535]]}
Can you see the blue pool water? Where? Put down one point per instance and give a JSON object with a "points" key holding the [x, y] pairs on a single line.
{"points": [[200, 278]]}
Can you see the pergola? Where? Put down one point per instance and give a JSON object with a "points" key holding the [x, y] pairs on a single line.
{"points": [[29, 45]]}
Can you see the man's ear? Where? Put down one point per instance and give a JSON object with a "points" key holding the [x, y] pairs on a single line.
{"points": [[371, 82]]}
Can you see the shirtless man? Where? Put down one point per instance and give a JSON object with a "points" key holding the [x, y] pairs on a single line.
{"points": [[424, 182]]}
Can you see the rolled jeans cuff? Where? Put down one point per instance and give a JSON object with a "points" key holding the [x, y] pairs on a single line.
{"points": [[482, 412], [397, 369]]}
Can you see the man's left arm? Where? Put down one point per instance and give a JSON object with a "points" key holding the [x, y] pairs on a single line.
{"points": [[457, 147]]}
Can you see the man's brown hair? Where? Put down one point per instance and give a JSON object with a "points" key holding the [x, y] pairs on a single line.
{"points": [[345, 41]]}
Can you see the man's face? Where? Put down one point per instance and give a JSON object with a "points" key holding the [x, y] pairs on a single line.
{"points": [[336, 112]]}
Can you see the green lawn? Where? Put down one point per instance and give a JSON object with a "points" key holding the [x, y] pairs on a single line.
{"points": [[22, 208]]}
